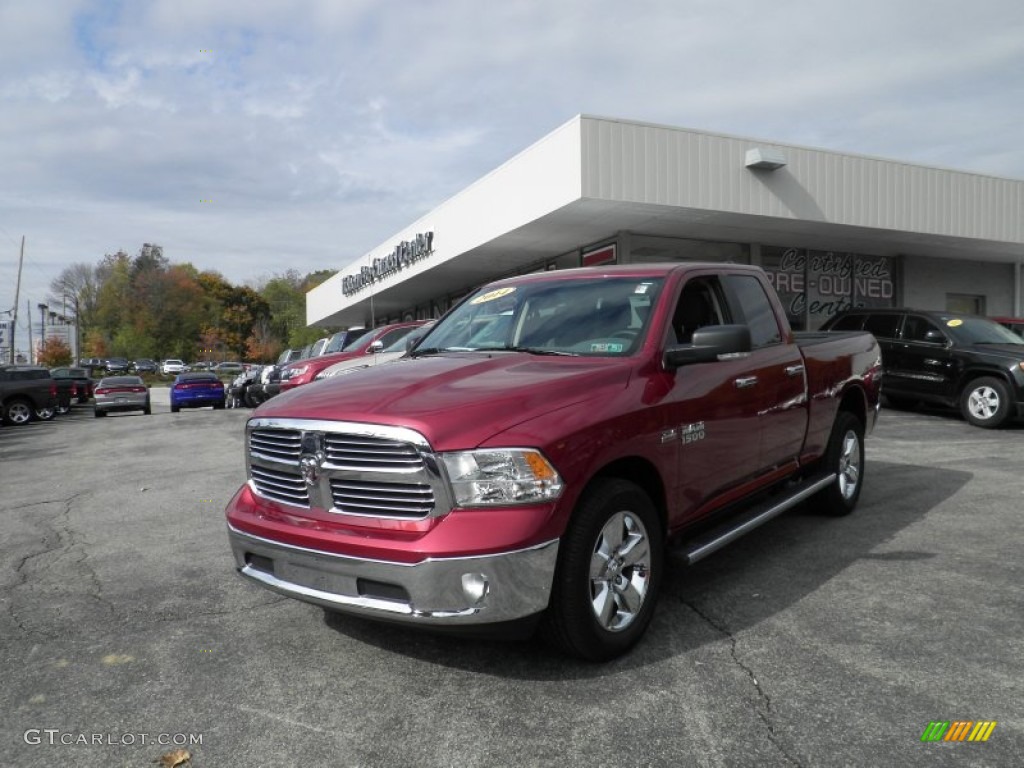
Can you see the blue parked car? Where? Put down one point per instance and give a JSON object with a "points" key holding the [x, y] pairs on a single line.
{"points": [[196, 390]]}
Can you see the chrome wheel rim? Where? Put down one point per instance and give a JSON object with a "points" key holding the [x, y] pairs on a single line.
{"points": [[983, 403], [19, 413], [849, 465], [620, 571], [45, 413]]}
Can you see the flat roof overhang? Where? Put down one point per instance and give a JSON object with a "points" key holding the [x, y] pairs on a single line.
{"points": [[587, 221]]}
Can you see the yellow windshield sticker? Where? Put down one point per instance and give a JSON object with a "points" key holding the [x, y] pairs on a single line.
{"points": [[492, 295], [954, 322]]}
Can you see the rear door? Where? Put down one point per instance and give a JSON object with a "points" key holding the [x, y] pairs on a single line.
{"points": [[924, 363], [777, 380]]}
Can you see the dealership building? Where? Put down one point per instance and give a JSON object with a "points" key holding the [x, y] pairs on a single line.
{"points": [[831, 230]]}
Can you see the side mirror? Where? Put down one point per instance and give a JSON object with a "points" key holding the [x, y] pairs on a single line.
{"points": [[934, 337], [375, 347], [707, 345]]}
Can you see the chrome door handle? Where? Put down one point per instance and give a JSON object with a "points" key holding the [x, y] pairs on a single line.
{"points": [[745, 381], [794, 370]]}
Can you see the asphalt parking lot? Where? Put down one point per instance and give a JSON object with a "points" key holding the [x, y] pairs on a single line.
{"points": [[812, 642]]}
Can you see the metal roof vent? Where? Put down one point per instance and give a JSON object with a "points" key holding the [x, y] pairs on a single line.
{"points": [[765, 159]]}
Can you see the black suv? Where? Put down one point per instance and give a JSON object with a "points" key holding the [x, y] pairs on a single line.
{"points": [[26, 392], [945, 358]]}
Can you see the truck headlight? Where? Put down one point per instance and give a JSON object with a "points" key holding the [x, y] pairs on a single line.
{"points": [[501, 476]]}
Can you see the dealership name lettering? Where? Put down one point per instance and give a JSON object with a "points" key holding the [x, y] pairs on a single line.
{"points": [[406, 253]]}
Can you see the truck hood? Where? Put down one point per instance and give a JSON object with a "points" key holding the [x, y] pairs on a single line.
{"points": [[456, 400]]}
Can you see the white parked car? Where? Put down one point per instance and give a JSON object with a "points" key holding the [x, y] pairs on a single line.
{"points": [[172, 367]]}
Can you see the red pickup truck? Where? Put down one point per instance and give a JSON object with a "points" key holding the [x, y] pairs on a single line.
{"points": [[534, 455]]}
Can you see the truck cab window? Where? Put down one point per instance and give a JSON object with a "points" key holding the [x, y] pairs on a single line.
{"points": [[756, 308]]}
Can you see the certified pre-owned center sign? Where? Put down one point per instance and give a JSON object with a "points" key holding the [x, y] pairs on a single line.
{"points": [[406, 253]]}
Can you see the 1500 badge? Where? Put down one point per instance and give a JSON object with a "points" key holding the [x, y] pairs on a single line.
{"points": [[688, 433]]}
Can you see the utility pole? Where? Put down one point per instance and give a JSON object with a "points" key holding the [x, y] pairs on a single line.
{"points": [[17, 291], [28, 311]]}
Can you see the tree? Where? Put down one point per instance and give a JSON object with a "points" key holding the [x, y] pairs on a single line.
{"points": [[54, 351]]}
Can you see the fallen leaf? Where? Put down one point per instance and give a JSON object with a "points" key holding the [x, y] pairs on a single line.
{"points": [[177, 757], [114, 659]]}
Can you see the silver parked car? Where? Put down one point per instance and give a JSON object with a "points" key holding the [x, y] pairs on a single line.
{"points": [[121, 393]]}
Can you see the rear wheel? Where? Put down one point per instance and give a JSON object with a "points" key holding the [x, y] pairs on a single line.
{"points": [[17, 412], [845, 458], [148, 409], [98, 413], [45, 414], [609, 571], [175, 408], [985, 402]]}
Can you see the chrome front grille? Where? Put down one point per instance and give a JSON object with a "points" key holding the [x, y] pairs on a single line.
{"points": [[288, 487], [370, 453], [346, 468], [382, 499], [276, 443]]}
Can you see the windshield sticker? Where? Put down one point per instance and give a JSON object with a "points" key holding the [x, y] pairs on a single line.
{"points": [[492, 295], [642, 288], [954, 322], [609, 347]]}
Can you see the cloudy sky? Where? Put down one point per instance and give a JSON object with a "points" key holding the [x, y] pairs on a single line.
{"points": [[316, 129]]}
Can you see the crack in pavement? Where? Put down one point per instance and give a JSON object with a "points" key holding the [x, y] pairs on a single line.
{"points": [[58, 537], [765, 713]]}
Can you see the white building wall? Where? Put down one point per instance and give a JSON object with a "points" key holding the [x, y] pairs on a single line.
{"points": [[926, 281], [636, 162]]}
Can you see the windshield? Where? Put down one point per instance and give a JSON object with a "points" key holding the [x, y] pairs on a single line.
{"points": [[978, 330], [599, 316]]}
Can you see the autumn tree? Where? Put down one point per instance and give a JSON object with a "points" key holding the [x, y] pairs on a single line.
{"points": [[53, 351]]}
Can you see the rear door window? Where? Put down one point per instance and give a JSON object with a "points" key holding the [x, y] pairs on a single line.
{"points": [[756, 309]]}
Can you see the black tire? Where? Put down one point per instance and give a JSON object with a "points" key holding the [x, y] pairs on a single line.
{"points": [[845, 458], [600, 617], [148, 409], [250, 399], [98, 413], [17, 412], [175, 408], [218, 406], [985, 402], [901, 403]]}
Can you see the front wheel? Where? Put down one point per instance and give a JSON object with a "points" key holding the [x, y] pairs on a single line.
{"points": [[985, 402], [844, 457], [609, 571]]}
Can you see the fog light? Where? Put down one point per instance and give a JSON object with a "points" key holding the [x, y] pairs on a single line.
{"points": [[475, 586]]}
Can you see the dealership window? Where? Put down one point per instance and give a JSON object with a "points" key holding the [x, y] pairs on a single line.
{"points": [[814, 285], [967, 303], [649, 249]]}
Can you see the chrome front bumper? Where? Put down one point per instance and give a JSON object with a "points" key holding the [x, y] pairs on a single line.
{"points": [[443, 592]]}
